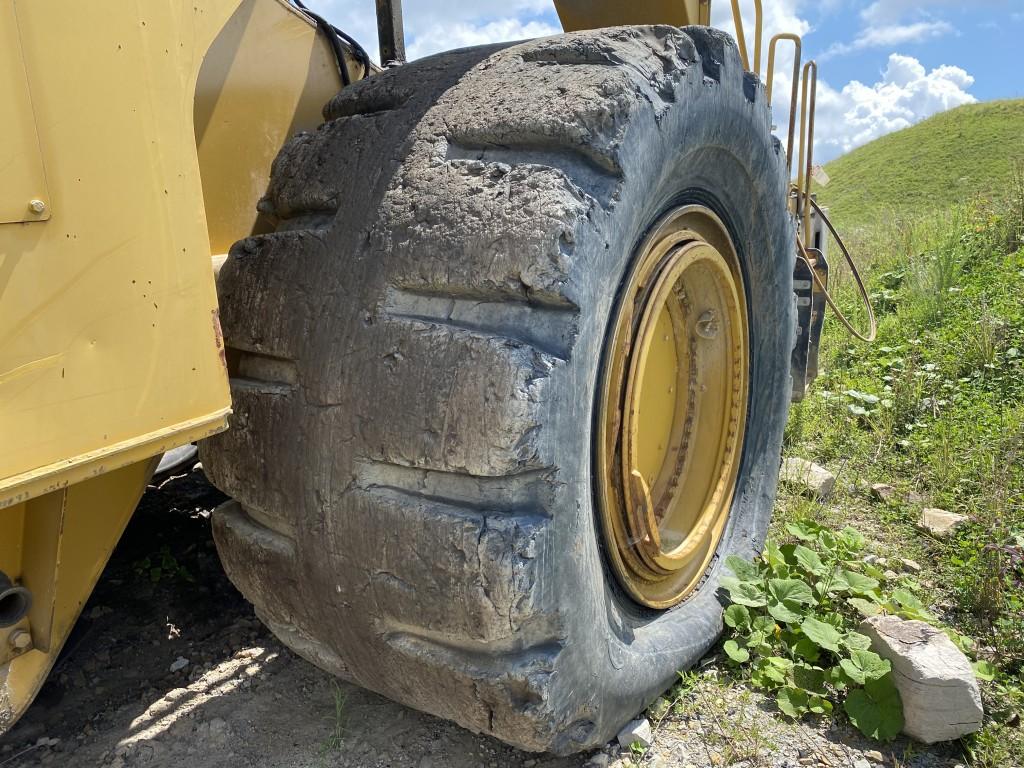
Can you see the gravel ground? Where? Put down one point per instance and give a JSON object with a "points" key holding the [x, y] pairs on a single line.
{"points": [[236, 697]]}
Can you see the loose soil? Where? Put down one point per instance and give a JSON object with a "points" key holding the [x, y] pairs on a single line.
{"points": [[245, 701]]}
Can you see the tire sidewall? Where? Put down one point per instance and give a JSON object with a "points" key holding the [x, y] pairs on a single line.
{"points": [[729, 163]]}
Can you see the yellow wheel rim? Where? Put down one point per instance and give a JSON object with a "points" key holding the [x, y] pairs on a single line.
{"points": [[673, 407]]}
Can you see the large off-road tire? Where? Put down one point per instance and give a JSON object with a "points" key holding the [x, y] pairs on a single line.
{"points": [[416, 354]]}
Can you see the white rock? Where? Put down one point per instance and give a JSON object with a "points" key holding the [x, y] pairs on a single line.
{"points": [[179, 664], [883, 492], [939, 522], [910, 565], [600, 760], [636, 731], [861, 763], [812, 479], [941, 699]]}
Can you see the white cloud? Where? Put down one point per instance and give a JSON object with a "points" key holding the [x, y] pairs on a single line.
{"points": [[896, 34], [857, 113], [906, 94], [891, 23], [444, 37], [437, 25]]}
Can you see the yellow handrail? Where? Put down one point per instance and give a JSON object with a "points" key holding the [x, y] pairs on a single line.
{"points": [[741, 39], [803, 183], [770, 76]]}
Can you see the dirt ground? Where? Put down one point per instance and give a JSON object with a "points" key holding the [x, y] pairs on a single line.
{"points": [[237, 698]]}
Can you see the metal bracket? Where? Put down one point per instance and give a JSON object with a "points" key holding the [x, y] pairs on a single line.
{"points": [[390, 33], [810, 310]]}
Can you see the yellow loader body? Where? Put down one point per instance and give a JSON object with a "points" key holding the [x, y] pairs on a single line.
{"points": [[136, 141]]}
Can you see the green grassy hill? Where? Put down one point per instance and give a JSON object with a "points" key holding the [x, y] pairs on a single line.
{"points": [[945, 159]]}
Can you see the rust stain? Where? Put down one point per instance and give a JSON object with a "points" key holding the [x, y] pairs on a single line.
{"points": [[218, 336]]}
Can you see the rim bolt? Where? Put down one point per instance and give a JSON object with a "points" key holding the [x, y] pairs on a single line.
{"points": [[707, 324]]}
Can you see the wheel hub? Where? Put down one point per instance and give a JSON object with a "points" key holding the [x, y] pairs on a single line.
{"points": [[673, 407]]}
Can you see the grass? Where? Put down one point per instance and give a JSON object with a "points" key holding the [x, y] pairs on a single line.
{"points": [[338, 720], [937, 163], [935, 408]]}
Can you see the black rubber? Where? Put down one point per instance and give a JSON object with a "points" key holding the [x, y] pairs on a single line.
{"points": [[414, 375]]}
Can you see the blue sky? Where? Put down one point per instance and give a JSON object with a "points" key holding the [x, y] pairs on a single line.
{"points": [[883, 65]]}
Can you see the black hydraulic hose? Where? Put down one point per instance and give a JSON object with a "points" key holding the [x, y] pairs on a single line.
{"points": [[336, 37]]}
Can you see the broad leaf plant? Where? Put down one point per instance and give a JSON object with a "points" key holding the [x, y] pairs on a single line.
{"points": [[792, 624]]}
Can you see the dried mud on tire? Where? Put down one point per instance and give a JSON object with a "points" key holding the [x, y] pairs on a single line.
{"points": [[244, 700], [416, 355]]}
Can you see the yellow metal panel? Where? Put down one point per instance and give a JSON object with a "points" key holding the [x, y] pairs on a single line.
{"points": [[594, 14], [109, 331], [110, 344], [23, 193], [68, 535], [266, 77]]}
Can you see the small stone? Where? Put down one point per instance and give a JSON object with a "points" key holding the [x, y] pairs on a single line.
{"points": [[875, 755], [941, 698], [870, 559], [910, 565], [883, 492], [939, 522], [716, 758], [890, 575], [861, 763], [526, 763], [179, 664], [813, 480], [600, 760], [638, 730]]}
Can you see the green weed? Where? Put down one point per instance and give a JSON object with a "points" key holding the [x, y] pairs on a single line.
{"points": [[793, 624], [338, 724], [935, 408]]}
